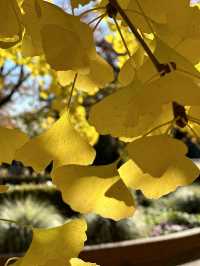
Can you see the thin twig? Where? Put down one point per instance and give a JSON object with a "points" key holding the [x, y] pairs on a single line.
{"points": [[188, 73], [21, 80], [100, 20], [90, 10], [157, 127], [145, 17], [95, 19], [194, 120], [122, 37], [71, 92], [193, 131]]}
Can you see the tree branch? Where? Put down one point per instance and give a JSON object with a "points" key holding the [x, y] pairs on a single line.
{"points": [[160, 67], [21, 80]]}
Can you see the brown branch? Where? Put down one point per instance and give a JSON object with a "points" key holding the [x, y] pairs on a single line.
{"points": [[21, 80], [156, 63], [11, 70]]}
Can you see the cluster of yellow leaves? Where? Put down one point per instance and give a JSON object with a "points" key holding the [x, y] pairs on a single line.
{"points": [[144, 109], [141, 111]]}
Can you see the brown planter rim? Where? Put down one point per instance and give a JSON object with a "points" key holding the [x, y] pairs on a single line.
{"points": [[146, 240], [168, 250]]}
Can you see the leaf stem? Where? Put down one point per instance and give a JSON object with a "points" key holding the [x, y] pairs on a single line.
{"points": [[193, 132], [90, 10], [145, 17], [122, 37], [95, 19], [71, 92], [157, 127], [98, 23], [154, 60]]}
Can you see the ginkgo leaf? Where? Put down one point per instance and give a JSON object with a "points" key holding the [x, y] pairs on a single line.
{"points": [[183, 19], [58, 56], [180, 18], [194, 119], [3, 188], [180, 173], [11, 140], [135, 103], [142, 15], [165, 55], [152, 124], [99, 74], [187, 47], [39, 15], [127, 72], [11, 31], [117, 113], [55, 246], [79, 262], [155, 154], [126, 106], [129, 69], [119, 192], [157, 13], [61, 144], [100, 71], [92, 184], [83, 82], [173, 87]]}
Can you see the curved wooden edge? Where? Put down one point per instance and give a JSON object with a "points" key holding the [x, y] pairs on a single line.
{"points": [[183, 234], [166, 250]]}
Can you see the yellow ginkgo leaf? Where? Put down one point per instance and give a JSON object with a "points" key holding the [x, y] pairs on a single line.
{"points": [[83, 82], [3, 188], [165, 55], [187, 47], [173, 87], [180, 173], [79, 262], [183, 19], [92, 184], [155, 154], [59, 56], [11, 31], [61, 144], [99, 74], [142, 14], [194, 119], [10, 141], [152, 124], [38, 17], [134, 108], [127, 72], [117, 113], [55, 246]]}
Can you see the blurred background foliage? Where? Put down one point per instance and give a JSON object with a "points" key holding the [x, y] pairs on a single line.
{"points": [[41, 206]]}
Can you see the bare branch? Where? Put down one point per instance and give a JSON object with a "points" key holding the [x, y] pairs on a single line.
{"points": [[21, 80]]}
